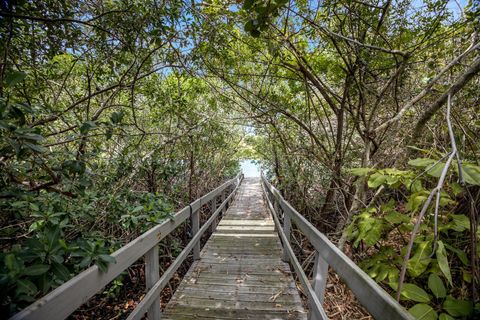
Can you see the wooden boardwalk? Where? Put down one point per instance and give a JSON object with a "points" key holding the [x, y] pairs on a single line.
{"points": [[240, 274]]}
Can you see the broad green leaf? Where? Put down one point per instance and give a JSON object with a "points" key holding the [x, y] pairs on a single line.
{"points": [[370, 229], [471, 174], [419, 262], [396, 217], [26, 286], [107, 258], [60, 271], [415, 293], [11, 262], [376, 180], [35, 147], [445, 316], [460, 254], [458, 308], [14, 77], [87, 126], [421, 162], [460, 222], [436, 171], [116, 117], [36, 270], [416, 200], [360, 172], [443, 261], [137, 209], [423, 311], [436, 286]]}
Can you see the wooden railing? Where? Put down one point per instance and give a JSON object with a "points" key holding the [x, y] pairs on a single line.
{"points": [[378, 302], [64, 300]]}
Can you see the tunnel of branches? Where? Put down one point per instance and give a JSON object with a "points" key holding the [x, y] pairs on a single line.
{"points": [[364, 114]]}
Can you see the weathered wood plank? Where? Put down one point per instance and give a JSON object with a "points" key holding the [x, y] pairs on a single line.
{"points": [[189, 313]]}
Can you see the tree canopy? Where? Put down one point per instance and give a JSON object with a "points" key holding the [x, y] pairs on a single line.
{"points": [[115, 113]]}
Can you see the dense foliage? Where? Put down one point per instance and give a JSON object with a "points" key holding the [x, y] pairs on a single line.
{"points": [[115, 113]]}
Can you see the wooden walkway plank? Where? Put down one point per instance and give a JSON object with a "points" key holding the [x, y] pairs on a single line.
{"points": [[240, 274]]}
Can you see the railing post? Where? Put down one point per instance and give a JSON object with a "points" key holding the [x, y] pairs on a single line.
{"points": [[195, 217], [224, 196], [152, 275], [287, 226], [276, 207], [320, 276], [214, 208]]}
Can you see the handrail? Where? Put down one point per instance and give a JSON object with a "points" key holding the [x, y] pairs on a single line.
{"points": [[376, 300], [64, 300]]}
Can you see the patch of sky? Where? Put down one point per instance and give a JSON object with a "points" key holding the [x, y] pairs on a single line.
{"points": [[250, 168]]}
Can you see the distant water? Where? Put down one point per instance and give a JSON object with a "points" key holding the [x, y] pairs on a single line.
{"points": [[249, 169]]}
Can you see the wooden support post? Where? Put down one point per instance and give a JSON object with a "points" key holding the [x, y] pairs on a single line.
{"points": [[214, 208], [195, 217], [224, 196], [287, 226], [276, 209], [152, 275], [320, 277]]}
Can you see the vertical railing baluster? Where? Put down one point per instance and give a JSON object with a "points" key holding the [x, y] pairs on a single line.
{"points": [[214, 208], [152, 275], [287, 226], [320, 276], [224, 196], [319, 281], [195, 217], [276, 206]]}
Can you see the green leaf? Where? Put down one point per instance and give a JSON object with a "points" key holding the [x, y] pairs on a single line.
{"points": [[458, 308], [445, 316], [460, 254], [460, 222], [116, 117], [36, 270], [436, 286], [360, 172], [87, 126], [471, 173], [14, 77], [376, 180], [423, 311], [60, 271], [137, 209], [35, 147], [421, 162], [443, 261], [26, 286], [436, 171], [415, 201], [415, 293], [419, 262], [395, 217], [107, 258], [11, 262], [74, 166]]}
